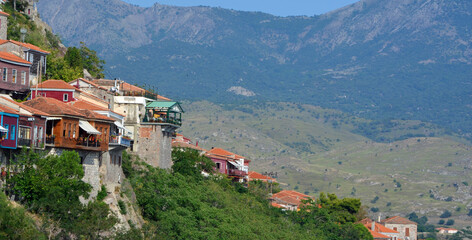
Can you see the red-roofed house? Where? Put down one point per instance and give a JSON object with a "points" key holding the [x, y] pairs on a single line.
{"points": [[9, 127], [229, 163], [57, 89], [183, 142], [32, 123], [94, 89], [288, 199], [14, 74], [408, 229], [379, 231], [29, 52]]}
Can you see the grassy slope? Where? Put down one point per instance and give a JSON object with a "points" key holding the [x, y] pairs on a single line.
{"points": [[314, 150]]}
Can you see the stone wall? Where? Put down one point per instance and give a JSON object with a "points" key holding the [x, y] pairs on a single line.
{"points": [[401, 228], [153, 145], [110, 167], [90, 163], [3, 27]]}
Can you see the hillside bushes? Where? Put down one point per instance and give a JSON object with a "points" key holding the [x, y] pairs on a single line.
{"points": [[187, 206]]}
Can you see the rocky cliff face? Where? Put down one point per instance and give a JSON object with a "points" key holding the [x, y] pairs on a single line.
{"points": [[378, 58]]}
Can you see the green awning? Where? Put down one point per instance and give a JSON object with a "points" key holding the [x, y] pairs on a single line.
{"points": [[165, 106]]}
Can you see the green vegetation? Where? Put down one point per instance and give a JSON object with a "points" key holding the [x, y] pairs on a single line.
{"points": [[51, 186], [15, 222], [63, 63], [182, 205]]}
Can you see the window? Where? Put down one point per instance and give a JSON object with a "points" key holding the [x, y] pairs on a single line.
{"points": [[68, 128], [31, 57], [7, 127], [119, 161], [218, 165], [64, 130], [12, 135], [407, 232], [73, 130], [66, 97], [13, 75], [4, 74], [40, 133], [23, 78]]}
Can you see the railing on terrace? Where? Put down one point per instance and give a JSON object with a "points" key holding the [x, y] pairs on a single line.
{"points": [[120, 140], [24, 142], [140, 94], [50, 140], [164, 120], [88, 143], [236, 172]]}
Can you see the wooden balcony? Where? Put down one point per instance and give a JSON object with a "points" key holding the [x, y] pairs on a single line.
{"points": [[120, 140], [237, 173]]}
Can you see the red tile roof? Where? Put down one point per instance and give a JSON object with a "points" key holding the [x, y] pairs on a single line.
{"points": [[27, 108], [88, 109], [91, 83], [378, 236], [26, 45], [84, 104], [176, 144], [257, 176], [13, 58], [6, 109], [367, 222], [4, 13], [397, 220], [54, 84], [54, 107], [290, 197], [225, 153]]}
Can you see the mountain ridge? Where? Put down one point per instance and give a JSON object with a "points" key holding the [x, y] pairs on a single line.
{"points": [[375, 58]]}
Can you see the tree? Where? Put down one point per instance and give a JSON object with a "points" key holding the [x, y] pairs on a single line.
{"points": [[450, 222], [91, 62], [189, 162], [73, 58], [445, 214]]}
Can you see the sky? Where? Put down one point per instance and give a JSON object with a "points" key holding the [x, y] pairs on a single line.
{"points": [[275, 7]]}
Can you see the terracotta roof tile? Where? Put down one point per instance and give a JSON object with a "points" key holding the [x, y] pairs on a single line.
{"points": [[84, 104], [13, 58], [291, 197], [225, 153], [54, 84], [26, 45], [378, 236], [176, 144], [27, 108], [88, 109], [257, 176], [54, 107], [367, 222], [91, 83], [6, 109], [4, 13]]}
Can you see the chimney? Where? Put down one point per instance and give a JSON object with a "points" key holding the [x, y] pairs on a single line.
{"points": [[373, 226], [378, 218]]}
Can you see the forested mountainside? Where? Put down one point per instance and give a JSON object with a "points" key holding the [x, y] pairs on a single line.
{"points": [[405, 59]]}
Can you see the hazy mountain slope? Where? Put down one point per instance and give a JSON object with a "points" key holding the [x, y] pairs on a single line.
{"points": [[378, 58], [313, 150]]}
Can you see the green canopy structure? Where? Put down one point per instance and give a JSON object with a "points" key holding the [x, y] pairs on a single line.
{"points": [[164, 112]]}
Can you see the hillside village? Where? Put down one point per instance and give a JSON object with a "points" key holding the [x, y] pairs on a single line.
{"points": [[102, 118]]}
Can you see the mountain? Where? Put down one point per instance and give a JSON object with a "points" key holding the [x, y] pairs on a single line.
{"points": [[404, 59]]}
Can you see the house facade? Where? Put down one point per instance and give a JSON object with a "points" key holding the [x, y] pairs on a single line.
{"points": [[406, 228], [231, 164], [14, 75], [29, 52], [288, 200]]}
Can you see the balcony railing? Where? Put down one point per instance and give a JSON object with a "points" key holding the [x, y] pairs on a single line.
{"points": [[24, 142], [50, 140], [88, 143], [236, 172], [120, 140], [174, 121]]}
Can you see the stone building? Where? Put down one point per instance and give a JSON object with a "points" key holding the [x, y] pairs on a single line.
{"points": [[408, 229]]}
